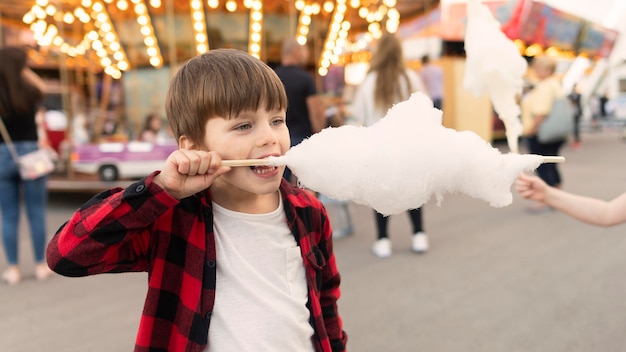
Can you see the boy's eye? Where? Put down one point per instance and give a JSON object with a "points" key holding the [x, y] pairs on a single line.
{"points": [[278, 121], [243, 127]]}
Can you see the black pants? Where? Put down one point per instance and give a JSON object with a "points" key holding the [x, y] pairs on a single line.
{"points": [[577, 127], [414, 214], [546, 171]]}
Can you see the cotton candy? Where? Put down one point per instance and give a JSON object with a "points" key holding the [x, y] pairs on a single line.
{"points": [[400, 162], [494, 65]]}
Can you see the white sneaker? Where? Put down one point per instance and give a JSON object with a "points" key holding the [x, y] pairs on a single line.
{"points": [[382, 248], [12, 275], [420, 242], [43, 272]]}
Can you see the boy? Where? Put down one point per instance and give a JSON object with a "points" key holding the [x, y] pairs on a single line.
{"points": [[234, 249]]}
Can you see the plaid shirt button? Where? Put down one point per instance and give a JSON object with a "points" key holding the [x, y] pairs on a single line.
{"points": [[140, 188], [210, 263]]}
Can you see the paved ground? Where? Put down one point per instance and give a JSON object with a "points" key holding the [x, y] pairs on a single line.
{"points": [[495, 279]]}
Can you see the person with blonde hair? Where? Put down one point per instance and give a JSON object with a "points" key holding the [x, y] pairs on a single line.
{"points": [[388, 82], [536, 106]]}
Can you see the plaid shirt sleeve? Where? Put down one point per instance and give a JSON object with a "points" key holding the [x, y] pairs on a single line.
{"points": [[309, 221], [111, 232], [330, 292]]}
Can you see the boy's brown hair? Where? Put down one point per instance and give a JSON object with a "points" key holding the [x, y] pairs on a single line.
{"points": [[221, 82]]}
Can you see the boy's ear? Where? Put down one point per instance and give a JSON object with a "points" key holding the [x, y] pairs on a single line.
{"points": [[186, 143]]}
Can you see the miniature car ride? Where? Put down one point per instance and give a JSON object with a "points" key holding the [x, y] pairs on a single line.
{"points": [[118, 160]]}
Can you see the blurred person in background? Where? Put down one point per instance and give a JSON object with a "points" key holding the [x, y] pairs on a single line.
{"points": [[339, 211], [575, 98], [21, 93], [152, 130], [432, 77], [536, 106], [305, 110], [388, 82]]}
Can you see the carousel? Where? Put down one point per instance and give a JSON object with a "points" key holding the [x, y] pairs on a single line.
{"points": [[107, 63], [120, 35]]}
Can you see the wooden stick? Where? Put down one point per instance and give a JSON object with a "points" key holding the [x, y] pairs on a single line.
{"points": [[262, 162], [553, 159], [246, 162]]}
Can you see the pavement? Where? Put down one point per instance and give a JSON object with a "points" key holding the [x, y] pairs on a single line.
{"points": [[495, 279]]}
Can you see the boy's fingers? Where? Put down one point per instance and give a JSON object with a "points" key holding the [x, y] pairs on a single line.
{"points": [[181, 162], [215, 164], [220, 171], [204, 164], [196, 162]]}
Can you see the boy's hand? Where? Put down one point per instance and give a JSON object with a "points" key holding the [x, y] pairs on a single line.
{"points": [[531, 187], [187, 172]]}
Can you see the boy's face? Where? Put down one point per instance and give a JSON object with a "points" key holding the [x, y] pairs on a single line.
{"points": [[250, 135]]}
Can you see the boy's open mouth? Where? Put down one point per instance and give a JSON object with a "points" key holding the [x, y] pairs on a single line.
{"points": [[262, 169]]}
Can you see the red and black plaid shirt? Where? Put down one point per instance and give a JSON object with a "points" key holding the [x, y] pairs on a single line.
{"points": [[142, 228]]}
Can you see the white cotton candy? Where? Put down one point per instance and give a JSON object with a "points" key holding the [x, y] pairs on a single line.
{"points": [[494, 65], [400, 162]]}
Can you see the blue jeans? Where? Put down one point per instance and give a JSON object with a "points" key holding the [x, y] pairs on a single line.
{"points": [[35, 195]]}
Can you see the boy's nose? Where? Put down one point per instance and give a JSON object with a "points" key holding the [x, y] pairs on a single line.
{"points": [[268, 136]]}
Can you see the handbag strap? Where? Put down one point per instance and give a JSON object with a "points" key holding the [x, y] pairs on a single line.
{"points": [[8, 141]]}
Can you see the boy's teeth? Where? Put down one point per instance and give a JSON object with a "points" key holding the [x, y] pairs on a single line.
{"points": [[263, 169]]}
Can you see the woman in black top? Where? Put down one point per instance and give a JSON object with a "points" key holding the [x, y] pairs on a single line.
{"points": [[21, 92]]}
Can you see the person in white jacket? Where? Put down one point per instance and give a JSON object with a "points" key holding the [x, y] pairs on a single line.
{"points": [[388, 82]]}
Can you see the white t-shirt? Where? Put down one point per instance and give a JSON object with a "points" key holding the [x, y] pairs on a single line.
{"points": [[261, 292]]}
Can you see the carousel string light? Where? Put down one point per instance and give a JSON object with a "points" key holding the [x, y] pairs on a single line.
{"points": [[213, 4], [255, 29], [122, 5], [102, 39], [331, 51], [231, 5], [199, 26], [304, 21], [105, 41], [306, 12], [147, 30], [375, 12]]}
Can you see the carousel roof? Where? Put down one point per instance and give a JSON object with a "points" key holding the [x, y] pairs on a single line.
{"points": [[14, 10], [155, 32]]}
